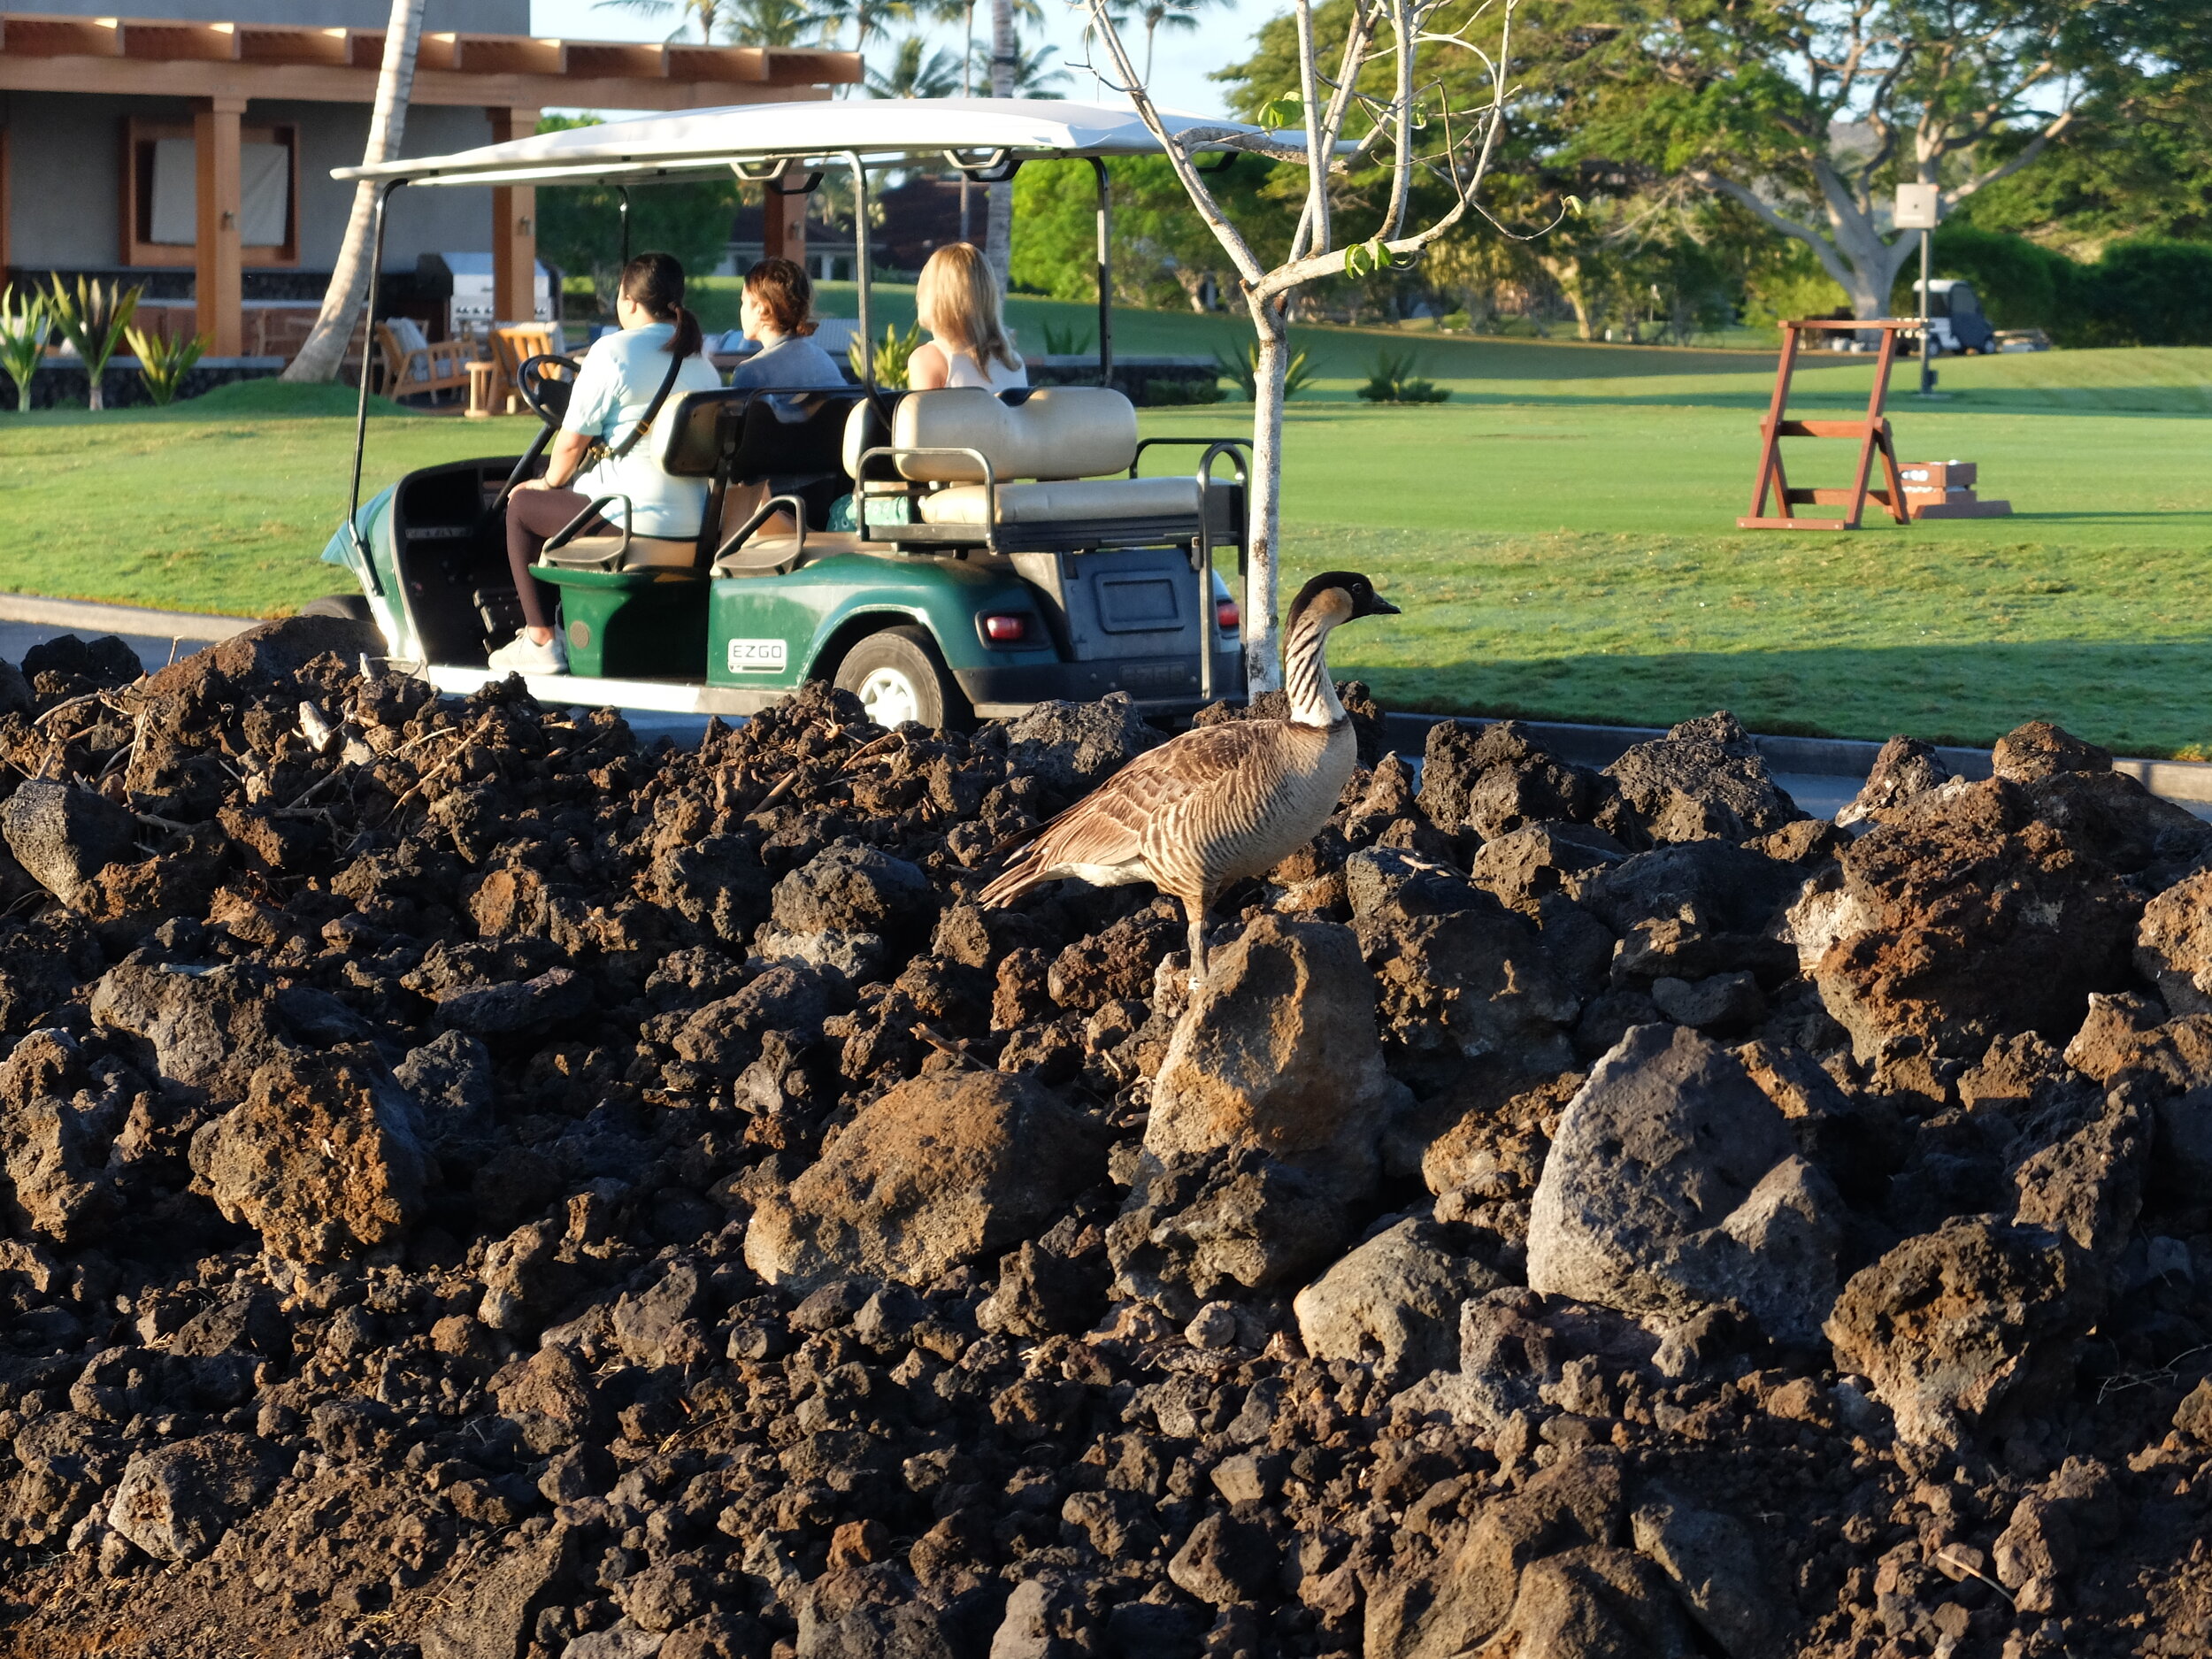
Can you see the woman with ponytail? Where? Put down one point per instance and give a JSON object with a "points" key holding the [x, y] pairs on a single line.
{"points": [[622, 374]]}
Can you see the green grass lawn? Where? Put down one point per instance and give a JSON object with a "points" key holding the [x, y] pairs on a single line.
{"points": [[1561, 534]]}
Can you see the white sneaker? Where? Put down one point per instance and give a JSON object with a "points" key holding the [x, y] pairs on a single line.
{"points": [[522, 655]]}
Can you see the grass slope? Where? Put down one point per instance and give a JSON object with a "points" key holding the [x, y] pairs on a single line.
{"points": [[1561, 534]]}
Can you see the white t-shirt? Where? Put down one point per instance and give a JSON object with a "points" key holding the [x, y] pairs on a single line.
{"points": [[621, 373]]}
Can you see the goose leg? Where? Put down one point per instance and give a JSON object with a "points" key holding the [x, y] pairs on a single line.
{"points": [[1194, 913]]}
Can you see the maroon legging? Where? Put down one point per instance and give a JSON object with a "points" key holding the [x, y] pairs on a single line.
{"points": [[533, 516]]}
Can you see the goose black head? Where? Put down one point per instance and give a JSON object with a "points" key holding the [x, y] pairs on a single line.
{"points": [[1357, 590]]}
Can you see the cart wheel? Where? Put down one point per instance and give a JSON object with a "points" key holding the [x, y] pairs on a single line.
{"points": [[898, 676], [352, 607]]}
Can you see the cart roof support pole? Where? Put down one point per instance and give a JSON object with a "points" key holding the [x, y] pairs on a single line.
{"points": [[1105, 275], [368, 353], [622, 207], [861, 273]]}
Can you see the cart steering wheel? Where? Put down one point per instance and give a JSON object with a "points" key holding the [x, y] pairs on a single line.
{"points": [[543, 382]]}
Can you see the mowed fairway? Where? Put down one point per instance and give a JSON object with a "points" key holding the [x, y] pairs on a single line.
{"points": [[1561, 534]]}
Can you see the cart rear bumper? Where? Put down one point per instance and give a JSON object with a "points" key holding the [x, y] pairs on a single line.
{"points": [[1159, 684]]}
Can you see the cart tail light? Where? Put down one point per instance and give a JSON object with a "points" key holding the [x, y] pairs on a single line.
{"points": [[1226, 615], [1006, 630]]}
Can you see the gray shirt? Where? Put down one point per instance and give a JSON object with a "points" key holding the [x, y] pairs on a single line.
{"points": [[793, 362]]}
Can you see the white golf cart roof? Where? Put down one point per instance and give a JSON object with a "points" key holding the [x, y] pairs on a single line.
{"points": [[882, 132]]}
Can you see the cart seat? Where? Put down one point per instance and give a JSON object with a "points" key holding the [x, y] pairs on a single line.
{"points": [[780, 555], [1056, 432], [1089, 499], [606, 553]]}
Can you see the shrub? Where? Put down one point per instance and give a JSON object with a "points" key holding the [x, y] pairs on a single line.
{"points": [[24, 327], [2146, 292], [1245, 372], [163, 362], [92, 317], [1393, 380], [892, 353]]}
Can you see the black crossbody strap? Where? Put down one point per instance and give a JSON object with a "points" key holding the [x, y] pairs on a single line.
{"points": [[652, 411]]}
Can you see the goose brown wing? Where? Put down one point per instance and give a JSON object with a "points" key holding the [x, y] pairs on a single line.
{"points": [[1108, 826]]}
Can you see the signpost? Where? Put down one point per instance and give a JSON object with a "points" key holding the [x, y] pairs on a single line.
{"points": [[1919, 206]]}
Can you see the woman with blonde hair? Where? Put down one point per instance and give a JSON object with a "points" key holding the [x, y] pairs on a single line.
{"points": [[957, 301]]}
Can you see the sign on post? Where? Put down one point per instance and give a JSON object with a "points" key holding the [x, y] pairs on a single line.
{"points": [[1919, 206]]}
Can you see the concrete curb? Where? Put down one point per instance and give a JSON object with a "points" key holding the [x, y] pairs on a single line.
{"points": [[79, 614], [1599, 746]]}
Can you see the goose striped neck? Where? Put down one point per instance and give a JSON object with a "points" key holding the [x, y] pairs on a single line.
{"points": [[1312, 694]]}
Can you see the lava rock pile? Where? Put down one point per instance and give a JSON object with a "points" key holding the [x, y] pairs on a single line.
{"points": [[478, 1186]]}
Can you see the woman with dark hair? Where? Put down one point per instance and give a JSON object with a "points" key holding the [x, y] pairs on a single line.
{"points": [[777, 310], [621, 375]]}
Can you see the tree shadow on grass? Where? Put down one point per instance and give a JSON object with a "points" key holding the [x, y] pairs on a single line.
{"points": [[2147, 698]]}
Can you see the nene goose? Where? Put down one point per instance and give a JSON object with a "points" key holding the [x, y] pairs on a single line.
{"points": [[1220, 802]]}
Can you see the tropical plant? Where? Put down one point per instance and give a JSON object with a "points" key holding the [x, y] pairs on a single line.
{"points": [[916, 72], [323, 353], [1178, 17], [1033, 73], [1394, 380], [164, 360], [705, 13], [867, 16], [769, 22], [1245, 371], [92, 317], [25, 322], [1066, 342], [892, 353]]}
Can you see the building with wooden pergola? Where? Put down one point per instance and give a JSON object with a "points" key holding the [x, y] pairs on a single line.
{"points": [[202, 141]]}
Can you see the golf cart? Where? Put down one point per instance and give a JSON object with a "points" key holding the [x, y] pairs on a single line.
{"points": [[1955, 324], [1008, 547]]}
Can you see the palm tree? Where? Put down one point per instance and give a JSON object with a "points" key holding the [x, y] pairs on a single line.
{"points": [[767, 22], [1034, 75], [916, 72], [323, 353], [705, 13], [1180, 16], [868, 17]]}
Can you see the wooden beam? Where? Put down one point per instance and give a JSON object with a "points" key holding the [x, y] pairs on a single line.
{"points": [[56, 37], [259, 44], [217, 265], [514, 228], [191, 43], [607, 57], [314, 83], [509, 54]]}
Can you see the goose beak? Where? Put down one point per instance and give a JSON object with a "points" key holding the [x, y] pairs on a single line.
{"points": [[1379, 606]]}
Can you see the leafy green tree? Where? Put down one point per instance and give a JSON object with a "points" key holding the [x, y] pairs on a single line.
{"points": [[1163, 253], [1807, 112], [579, 227]]}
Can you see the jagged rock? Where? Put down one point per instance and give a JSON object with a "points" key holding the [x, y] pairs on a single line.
{"points": [[1502, 780], [1278, 1052], [1224, 1561], [1520, 867], [1961, 921], [939, 1171], [1905, 770], [1394, 1301], [2089, 1186], [2173, 945], [1198, 1229], [1471, 1595], [1720, 1002], [1595, 1599], [1477, 981], [1704, 781], [1673, 1183], [1716, 1563], [490, 1617], [451, 1079], [64, 834], [207, 1028], [518, 1010], [724, 1037], [2038, 750], [177, 1501], [323, 1159], [1074, 746], [1952, 1326], [843, 909]]}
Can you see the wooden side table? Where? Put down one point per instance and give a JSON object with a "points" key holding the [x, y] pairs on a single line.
{"points": [[483, 388]]}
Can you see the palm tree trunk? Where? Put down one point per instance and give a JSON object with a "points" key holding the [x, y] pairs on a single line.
{"points": [[324, 354], [1150, 25], [998, 243], [967, 90]]}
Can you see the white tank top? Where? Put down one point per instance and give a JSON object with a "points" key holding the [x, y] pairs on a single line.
{"points": [[962, 369]]}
